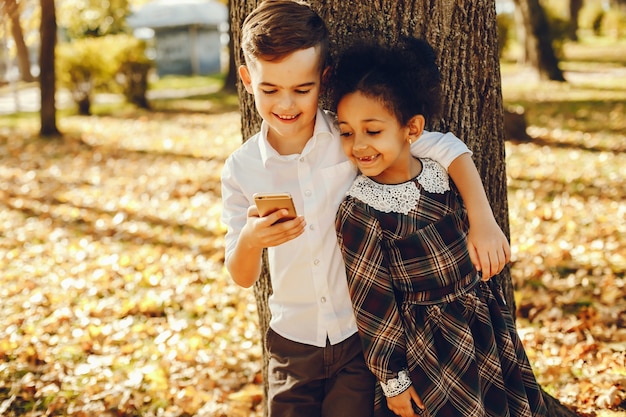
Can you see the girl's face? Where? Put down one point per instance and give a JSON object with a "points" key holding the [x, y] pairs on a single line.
{"points": [[373, 139]]}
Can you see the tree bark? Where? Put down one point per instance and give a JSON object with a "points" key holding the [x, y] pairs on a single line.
{"points": [[618, 4], [538, 40], [230, 82], [575, 7], [464, 34], [11, 9], [250, 124], [47, 81]]}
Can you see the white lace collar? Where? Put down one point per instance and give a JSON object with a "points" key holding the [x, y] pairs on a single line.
{"points": [[400, 198]]}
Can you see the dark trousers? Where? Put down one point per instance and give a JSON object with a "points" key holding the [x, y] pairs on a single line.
{"points": [[309, 381]]}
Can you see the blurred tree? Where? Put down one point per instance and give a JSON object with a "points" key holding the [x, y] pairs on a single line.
{"points": [[84, 70], [464, 34], [575, 6], [89, 18], [47, 81], [94, 26], [618, 4], [230, 82], [537, 40], [133, 72], [11, 9]]}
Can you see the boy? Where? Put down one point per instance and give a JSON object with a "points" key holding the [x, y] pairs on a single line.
{"points": [[316, 363]]}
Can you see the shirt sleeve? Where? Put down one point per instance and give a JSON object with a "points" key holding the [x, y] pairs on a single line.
{"points": [[443, 148], [371, 291], [234, 207]]}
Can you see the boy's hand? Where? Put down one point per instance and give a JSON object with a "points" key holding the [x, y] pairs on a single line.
{"points": [[488, 248], [266, 232], [402, 405]]}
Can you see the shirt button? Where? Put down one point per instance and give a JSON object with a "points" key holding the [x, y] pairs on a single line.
{"points": [[312, 227], [316, 262], [301, 159], [323, 299], [308, 193]]}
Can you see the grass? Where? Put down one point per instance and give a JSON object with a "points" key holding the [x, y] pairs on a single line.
{"points": [[174, 82], [168, 94]]}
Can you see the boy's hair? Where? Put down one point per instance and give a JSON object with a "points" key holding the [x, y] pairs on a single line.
{"points": [[277, 28], [404, 77]]}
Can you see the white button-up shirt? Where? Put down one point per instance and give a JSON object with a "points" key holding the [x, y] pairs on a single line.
{"points": [[310, 300]]}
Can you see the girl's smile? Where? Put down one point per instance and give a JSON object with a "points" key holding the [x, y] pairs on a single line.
{"points": [[365, 160]]}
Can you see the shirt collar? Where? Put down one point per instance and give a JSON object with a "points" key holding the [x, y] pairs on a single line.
{"points": [[322, 131]]}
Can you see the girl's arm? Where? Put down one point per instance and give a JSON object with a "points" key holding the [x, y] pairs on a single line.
{"points": [[372, 293]]}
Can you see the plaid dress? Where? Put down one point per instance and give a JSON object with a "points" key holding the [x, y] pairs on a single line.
{"points": [[420, 305]]}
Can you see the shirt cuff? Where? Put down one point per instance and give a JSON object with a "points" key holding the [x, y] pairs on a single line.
{"points": [[396, 386]]}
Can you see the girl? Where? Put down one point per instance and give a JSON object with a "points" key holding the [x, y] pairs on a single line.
{"points": [[440, 341]]}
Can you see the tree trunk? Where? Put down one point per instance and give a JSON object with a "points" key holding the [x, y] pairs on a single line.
{"points": [[239, 9], [538, 40], [464, 34], [619, 4], [250, 124], [230, 82], [574, 11], [47, 83], [11, 9]]}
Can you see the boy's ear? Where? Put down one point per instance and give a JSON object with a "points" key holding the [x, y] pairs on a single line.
{"points": [[416, 127], [244, 74]]}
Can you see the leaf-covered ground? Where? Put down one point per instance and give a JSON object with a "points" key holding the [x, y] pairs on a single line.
{"points": [[567, 205], [568, 229], [115, 301]]}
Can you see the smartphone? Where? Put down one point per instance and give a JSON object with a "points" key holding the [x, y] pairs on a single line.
{"points": [[267, 203]]}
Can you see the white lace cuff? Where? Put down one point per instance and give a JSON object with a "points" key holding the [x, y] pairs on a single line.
{"points": [[397, 385]]}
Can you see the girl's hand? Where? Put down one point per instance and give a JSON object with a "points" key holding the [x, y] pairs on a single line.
{"points": [[402, 405], [488, 247]]}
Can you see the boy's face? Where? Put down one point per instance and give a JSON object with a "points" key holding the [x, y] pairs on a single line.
{"points": [[286, 94]]}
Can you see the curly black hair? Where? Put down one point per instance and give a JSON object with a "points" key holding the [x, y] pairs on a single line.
{"points": [[404, 77]]}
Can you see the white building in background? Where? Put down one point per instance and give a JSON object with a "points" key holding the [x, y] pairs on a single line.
{"points": [[189, 35]]}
